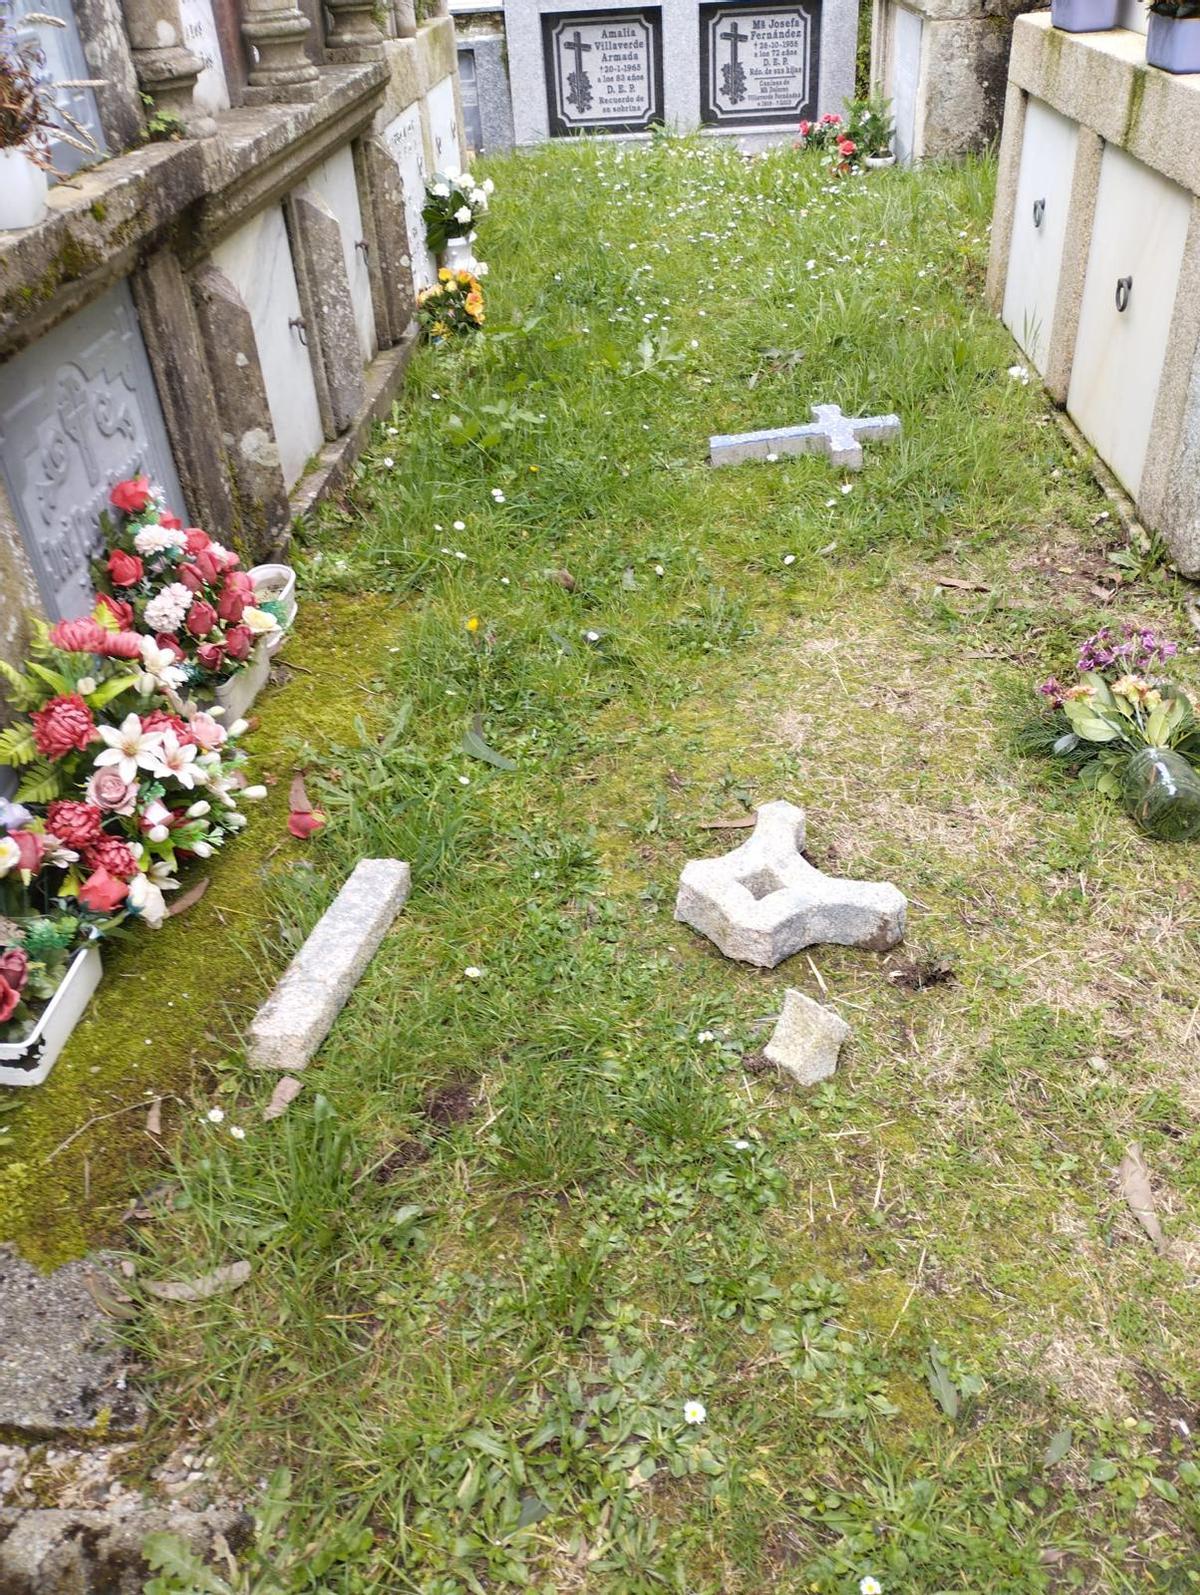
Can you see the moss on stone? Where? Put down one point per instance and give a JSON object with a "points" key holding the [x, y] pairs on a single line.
{"points": [[174, 1001], [1133, 111]]}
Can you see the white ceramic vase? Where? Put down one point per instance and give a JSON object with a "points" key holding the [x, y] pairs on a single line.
{"points": [[22, 190], [28, 1062], [878, 162], [237, 694], [459, 254], [278, 584]]}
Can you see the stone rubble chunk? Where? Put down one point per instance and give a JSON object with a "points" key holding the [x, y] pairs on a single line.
{"points": [[62, 1371], [807, 1039], [298, 1015], [44, 1550], [829, 432], [763, 902]]}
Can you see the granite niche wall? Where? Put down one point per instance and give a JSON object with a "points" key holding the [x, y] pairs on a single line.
{"points": [[228, 308]]}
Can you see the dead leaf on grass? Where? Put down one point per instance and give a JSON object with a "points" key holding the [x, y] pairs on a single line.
{"points": [[154, 1118], [1135, 1188], [286, 1090], [190, 898], [228, 1277], [743, 822], [961, 586]]}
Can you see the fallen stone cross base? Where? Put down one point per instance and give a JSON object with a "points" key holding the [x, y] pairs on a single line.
{"points": [[830, 432], [807, 1039], [763, 902], [298, 1015]]}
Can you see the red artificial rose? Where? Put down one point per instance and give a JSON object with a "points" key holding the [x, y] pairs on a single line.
{"points": [[102, 892], [302, 825], [125, 569], [231, 605], [189, 576], [239, 640], [85, 636], [120, 611], [164, 640], [211, 655], [847, 146], [195, 540], [131, 497], [164, 720], [171, 522], [113, 855], [239, 582], [63, 726], [31, 848], [121, 645], [76, 824], [201, 618]]}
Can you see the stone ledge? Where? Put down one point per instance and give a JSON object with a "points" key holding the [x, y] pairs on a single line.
{"points": [[111, 213], [1101, 80]]}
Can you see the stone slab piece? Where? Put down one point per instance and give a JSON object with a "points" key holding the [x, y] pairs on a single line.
{"points": [[807, 1039], [55, 1549], [829, 432], [764, 901], [324, 286], [296, 1018], [62, 1371]]}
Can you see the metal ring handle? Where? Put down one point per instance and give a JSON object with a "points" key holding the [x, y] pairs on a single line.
{"points": [[298, 323], [1124, 289], [1039, 212]]}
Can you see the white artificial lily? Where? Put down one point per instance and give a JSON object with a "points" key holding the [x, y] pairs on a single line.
{"points": [[129, 748], [177, 760], [158, 668]]}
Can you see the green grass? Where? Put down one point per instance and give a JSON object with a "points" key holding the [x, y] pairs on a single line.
{"points": [[516, 1220]]}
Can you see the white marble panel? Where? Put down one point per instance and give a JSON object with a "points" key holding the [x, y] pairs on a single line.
{"points": [[904, 89], [1039, 228], [1138, 238], [335, 182], [444, 136], [200, 37], [258, 261], [406, 141]]}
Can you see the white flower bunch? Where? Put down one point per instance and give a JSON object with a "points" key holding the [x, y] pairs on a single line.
{"points": [[167, 609], [151, 540]]}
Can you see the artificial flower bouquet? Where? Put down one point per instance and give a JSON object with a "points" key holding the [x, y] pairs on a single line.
{"points": [[120, 783], [178, 585], [454, 202], [454, 305], [1129, 731], [831, 135]]}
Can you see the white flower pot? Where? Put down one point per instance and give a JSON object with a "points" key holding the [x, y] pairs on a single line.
{"points": [[458, 254], [278, 583], [237, 694], [28, 1062], [22, 190], [879, 162]]}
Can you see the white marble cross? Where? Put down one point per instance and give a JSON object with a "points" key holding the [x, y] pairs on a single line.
{"points": [[830, 432]]}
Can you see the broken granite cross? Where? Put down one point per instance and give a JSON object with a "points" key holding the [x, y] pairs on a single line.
{"points": [[830, 432], [764, 901]]}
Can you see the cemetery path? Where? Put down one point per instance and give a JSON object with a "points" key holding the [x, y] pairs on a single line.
{"points": [[553, 1282]]}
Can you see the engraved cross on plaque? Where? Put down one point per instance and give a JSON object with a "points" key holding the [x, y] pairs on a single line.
{"points": [[579, 85], [733, 74]]}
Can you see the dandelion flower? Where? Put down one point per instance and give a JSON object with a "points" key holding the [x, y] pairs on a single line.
{"points": [[472, 623], [694, 1412]]}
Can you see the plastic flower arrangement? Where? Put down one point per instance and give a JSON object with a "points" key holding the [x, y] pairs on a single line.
{"points": [[120, 783], [1130, 732], [454, 202], [179, 586], [454, 305], [832, 137]]}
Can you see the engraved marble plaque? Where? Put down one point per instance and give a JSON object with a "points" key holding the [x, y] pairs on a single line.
{"points": [[603, 71], [405, 139], [78, 412], [759, 64], [201, 38]]}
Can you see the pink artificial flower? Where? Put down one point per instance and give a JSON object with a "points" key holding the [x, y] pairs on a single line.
{"points": [[108, 790], [102, 892]]}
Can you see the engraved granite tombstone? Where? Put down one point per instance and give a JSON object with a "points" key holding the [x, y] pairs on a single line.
{"points": [[406, 142], [759, 65], [78, 412], [603, 71]]}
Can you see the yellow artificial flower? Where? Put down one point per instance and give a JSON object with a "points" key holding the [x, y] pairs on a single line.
{"points": [[472, 623], [445, 274], [439, 329]]}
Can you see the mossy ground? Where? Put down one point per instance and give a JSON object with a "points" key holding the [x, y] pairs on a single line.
{"points": [[538, 1192]]}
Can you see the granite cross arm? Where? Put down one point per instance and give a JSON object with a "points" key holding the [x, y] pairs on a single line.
{"points": [[829, 432], [764, 901]]}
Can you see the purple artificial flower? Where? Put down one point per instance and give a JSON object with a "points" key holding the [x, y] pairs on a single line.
{"points": [[12, 815]]}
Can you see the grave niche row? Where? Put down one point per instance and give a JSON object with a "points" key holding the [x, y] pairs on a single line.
{"points": [[744, 67]]}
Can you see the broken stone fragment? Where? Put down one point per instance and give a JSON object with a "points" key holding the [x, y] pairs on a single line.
{"points": [[764, 901], [46, 1550], [807, 1039]]}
